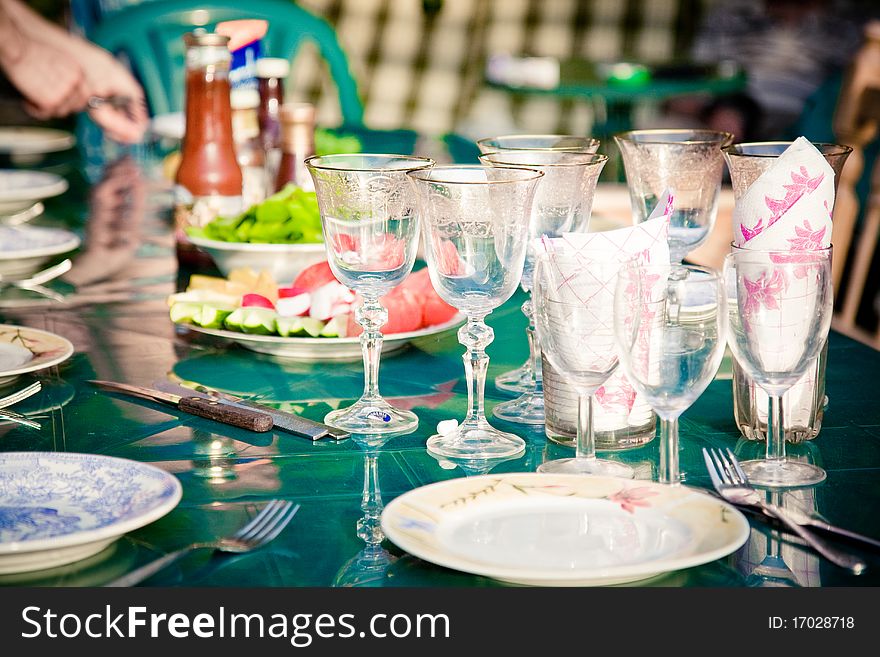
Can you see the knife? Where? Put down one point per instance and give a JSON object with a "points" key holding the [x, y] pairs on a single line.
{"points": [[208, 408], [284, 420]]}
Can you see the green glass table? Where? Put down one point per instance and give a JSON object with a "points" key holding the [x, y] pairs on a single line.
{"points": [[116, 316]]}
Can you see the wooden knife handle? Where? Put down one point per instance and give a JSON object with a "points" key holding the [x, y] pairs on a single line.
{"points": [[226, 413]]}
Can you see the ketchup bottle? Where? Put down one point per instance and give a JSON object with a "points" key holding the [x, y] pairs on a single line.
{"points": [[209, 180]]}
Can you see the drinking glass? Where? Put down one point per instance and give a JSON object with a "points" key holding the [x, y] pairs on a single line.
{"points": [[574, 302], [804, 403], [780, 305], [475, 221], [538, 142], [562, 205], [670, 322], [689, 164], [521, 379], [371, 232]]}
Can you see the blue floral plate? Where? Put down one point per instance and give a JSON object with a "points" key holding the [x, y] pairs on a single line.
{"points": [[56, 508]]}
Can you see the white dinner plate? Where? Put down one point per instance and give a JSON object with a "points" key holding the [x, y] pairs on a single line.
{"points": [[25, 249], [34, 141], [24, 349], [56, 508], [320, 349], [168, 126], [21, 189], [563, 530]]}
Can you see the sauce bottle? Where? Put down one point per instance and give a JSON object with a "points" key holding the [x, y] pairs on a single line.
{"points": [[248, 147], [271, 74], [208, 180], [297, 143]]}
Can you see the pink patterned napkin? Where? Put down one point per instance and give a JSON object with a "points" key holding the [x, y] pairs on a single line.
{"points": [[618, 405], [788, 207]]}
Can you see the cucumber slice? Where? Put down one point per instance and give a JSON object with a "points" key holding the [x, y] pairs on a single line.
{"points": [[212, 315], [335, 328], [183, 312], [234, 321], [259, 321], [288, 327], [312, 326]]}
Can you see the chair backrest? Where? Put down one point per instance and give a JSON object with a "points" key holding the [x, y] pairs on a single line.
{"points": [[150, 35], [857, 124]]}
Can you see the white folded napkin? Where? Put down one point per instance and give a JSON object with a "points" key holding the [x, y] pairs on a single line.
{"points": [[617, 402], [788, 207]]}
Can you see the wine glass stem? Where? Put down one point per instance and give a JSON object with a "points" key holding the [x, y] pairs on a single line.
{"points": [[371, 316], [669, 473], [585, 447], [775, 431], [476, 335], [528, 309], [371, 502]]}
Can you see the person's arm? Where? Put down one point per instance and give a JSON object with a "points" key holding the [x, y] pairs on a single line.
{"points": [[100, 74]]}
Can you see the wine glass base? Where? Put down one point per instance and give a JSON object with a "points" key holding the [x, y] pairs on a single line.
{"points": [[374, 416], [587, 467], [782, 474], [518, 380], [528, 408], [477, 441]]}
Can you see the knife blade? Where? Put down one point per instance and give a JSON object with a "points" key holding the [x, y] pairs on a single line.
{"points": [[244, 418], [284, 420]]}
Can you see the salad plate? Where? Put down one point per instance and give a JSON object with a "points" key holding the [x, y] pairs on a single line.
{"points": [[25, 140], [563, 530], [25, 249], [24, 350], [20, 189], [322, 349], [62, 507]]}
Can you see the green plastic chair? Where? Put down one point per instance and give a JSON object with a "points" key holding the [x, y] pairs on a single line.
{"points": [[150, 36]]}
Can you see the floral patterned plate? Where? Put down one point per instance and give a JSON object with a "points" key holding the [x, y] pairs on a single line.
{"points": [[56, 508], [563, 530], [24, 350]]}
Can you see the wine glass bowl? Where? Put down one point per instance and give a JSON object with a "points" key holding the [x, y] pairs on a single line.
{"points": [[475, 222], [562, 204], [574, 300], [371, 228], [538, 142], [780, 305], [670, 324], [689, 164]]}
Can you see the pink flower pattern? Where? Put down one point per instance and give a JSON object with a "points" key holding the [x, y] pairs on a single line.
{"points": [[807, 239], [763, 292], [630, 498], [620, 396], [801, 183]]}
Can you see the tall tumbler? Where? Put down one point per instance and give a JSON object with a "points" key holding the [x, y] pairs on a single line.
{"points": [[804, 403]]}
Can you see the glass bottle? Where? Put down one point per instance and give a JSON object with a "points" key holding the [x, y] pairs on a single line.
{"points": [[297, 143], [249, 151], [271, 74], [208, 182]]}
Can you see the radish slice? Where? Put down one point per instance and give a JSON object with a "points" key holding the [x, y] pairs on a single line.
{"points": [[257, 301], [294, 306]]}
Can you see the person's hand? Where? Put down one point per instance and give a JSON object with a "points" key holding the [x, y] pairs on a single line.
{"points": [[53, 85]]}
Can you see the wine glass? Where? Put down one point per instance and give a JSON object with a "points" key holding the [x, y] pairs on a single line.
{"points": [[689, 164], [780, 305], [521, 379], [574, 300], [475, 221], [371, 232], [562, 205], [670, 323]]}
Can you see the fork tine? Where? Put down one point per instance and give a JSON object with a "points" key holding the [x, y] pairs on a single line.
{"points": [[739, 470], [731, 471], [257, 520], [713, 474], [722, 473], [280, 523], [20, 395], [266, 516], [256, 535]]}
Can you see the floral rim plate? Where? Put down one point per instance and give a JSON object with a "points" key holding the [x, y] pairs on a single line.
{"points": [[61, 507], [563, 530], [32, 141], [20, 189], [24, 249], [316, 349], [46, 349]]}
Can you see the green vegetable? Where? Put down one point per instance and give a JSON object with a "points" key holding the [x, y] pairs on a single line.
{"points": [[289, 216], [289, 326], [329, 143]]}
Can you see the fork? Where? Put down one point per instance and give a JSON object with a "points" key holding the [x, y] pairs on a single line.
{"points": [[732, 484], [270, 522], [21, 395], [43, 276]]}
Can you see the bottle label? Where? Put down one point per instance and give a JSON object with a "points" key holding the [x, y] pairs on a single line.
{"points": [[191, 210]]}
